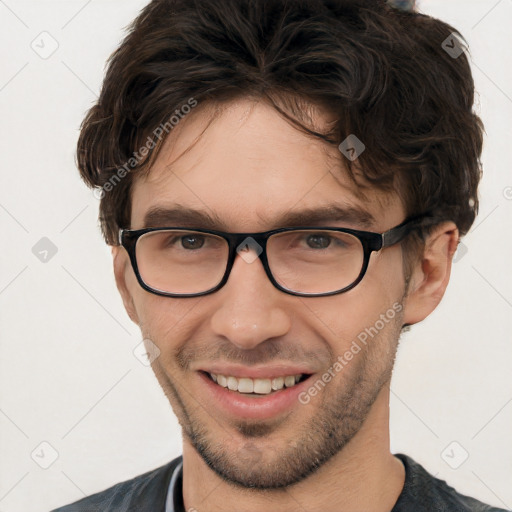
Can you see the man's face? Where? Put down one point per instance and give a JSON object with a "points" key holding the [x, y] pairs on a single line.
{"points": [[249, 168]]}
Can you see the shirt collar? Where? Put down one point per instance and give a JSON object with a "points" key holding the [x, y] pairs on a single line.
{"points": [[174, 501]]}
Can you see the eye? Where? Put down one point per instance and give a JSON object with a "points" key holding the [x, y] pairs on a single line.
{"points": [[191, 241], [319, 241]]}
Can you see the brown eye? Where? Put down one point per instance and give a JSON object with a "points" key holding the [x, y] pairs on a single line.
{"points": [[318, 241], [192, 241]]}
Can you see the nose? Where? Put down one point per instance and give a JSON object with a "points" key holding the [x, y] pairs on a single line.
{"points": [[252, 309]]}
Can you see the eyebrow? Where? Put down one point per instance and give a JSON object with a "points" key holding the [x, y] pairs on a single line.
{"points": [[181, 216]]}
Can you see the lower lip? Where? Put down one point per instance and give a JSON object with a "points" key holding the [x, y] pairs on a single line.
{"points": [[257, 407]]}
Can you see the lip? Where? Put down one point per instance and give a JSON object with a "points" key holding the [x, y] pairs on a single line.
{"points": [[267, 372], [260, 407]]}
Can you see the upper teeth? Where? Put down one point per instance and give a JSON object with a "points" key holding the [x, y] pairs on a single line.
{"points": [[260, 386]]}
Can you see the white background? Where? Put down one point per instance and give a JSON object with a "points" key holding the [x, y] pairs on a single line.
{"points": [[68, 376]]}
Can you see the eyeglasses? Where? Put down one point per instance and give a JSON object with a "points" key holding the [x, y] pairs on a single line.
{"points": [[302, 261]]}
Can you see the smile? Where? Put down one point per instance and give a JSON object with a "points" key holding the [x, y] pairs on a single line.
{"points": [[256, 393], [246, 385]]}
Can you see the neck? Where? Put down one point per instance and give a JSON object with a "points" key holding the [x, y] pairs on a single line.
{"points": [[363, 476]]}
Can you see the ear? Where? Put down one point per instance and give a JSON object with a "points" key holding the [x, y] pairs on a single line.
{"points": [[431, 273], [122, 266]]}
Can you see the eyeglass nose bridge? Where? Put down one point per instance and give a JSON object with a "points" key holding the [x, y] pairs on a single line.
{"points": [[250, 247]]}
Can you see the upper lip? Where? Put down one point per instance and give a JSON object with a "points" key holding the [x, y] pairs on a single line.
{"points": [[266, 372]]}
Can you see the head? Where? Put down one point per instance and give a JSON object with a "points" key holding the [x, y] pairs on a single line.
{"points": [[238, 109]]}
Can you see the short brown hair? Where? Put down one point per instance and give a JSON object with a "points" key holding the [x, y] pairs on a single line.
{"points": [[383, 73]]}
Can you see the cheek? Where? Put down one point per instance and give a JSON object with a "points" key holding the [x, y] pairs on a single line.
{"points": [[373, 304], [155, 313], [167, 322], [384, 282]]}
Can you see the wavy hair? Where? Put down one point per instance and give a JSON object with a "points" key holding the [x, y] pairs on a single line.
{"points": [[382, 71]]}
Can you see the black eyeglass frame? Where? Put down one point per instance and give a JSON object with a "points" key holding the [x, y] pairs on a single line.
{"points": [[371, 242]]}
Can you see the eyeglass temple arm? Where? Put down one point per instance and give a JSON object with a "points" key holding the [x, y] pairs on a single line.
{"points": [[394, 235]]}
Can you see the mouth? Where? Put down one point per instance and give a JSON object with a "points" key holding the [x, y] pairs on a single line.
{"points": [[256, 387], [262, 403]]}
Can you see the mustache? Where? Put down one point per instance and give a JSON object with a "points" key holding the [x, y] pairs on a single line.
{"points": [[265, 353]]}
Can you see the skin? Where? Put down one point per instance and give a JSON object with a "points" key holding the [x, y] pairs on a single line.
{"points": [[249, 167]]}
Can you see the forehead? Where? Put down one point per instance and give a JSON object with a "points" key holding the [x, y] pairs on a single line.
{"points": [[245, 166]]}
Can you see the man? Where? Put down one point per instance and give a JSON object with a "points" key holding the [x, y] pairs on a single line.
{"points": [[284, 184]]}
